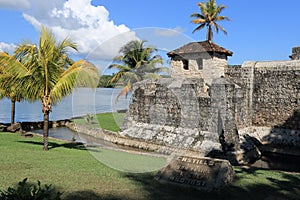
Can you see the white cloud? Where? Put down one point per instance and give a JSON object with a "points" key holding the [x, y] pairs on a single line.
{"points": [[87, 25], [15, 4], [4, 47], [32, 20]]}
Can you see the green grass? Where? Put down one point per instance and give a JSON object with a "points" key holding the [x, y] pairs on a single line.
{"points": [[76, 172], [109, 121], [128, 162]]}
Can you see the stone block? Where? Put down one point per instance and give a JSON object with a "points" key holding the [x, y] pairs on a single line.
{"points": [[201, 173]]}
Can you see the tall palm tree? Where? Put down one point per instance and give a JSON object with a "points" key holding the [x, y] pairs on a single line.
{"points": [[209, 16], [9, 88], [136, 62], [14, 93], [2, 91], [48, 74]]}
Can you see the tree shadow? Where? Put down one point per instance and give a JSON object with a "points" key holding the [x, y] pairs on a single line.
{"points": [[288, 188], [278, 161], [89, 195], [53, 145], [154, 189]]}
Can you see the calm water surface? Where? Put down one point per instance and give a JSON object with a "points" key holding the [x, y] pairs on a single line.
{"points": [[82, 101], [64, 133]]}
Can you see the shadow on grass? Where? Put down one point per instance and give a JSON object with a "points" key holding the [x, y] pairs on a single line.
{"points": [[266, 186], [79, 195], [91, 195], [250, 184], [53, 145]]}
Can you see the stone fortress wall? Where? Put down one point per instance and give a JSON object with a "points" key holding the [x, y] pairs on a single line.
{"points": [[171, 112], [258, 100], [271, 100]]}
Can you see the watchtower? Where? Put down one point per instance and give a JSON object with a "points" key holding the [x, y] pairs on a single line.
{"points": [[199, 59]]}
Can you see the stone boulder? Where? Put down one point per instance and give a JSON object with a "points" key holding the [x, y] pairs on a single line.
{"points": [[3, 127], [14, 127]]}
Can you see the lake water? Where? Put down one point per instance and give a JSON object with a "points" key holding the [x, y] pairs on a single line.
{"points": [[82, 101], [66, 134]]}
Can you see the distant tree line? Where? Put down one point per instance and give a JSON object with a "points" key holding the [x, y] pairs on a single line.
{"points": [[105, 82]]}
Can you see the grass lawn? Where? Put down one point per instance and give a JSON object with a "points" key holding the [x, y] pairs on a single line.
{"points": [[77, 173], [108, 121]]}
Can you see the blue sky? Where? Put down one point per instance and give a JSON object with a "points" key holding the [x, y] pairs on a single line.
{"points": [[259, 30]]}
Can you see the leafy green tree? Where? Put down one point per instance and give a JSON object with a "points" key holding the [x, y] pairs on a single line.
{"points": [[136, 62], [104, 81], [209, 17], [46, 73]]}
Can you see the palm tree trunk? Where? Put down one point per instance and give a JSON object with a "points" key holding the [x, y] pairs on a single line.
{"points": [[46, 129], [209, 34], [13, 108]]}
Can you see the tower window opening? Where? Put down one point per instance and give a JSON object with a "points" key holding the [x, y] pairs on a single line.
{"points": [[185, 64]]}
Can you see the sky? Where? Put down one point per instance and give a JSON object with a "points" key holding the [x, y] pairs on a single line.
{"points": [[259, 30]]}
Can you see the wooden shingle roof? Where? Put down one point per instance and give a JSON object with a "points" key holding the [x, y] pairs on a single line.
{"points": [[199, 47]]}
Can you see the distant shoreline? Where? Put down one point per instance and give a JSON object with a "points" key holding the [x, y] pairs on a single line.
{"points": [[29, 126], [33, 125], [81, 102]]}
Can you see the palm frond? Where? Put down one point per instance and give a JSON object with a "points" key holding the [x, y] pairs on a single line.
{"points": [[117, 77], [197, 15], [218, 10], [199, 21], [199, 27], [220, 27], [203, 8], [81, 73], [132, 76], [119, 67], [2, 93], [65, 44], [12, 66], [222, 18], [124, 91]]}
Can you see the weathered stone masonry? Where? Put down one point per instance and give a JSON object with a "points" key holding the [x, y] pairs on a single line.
{"points": [[177, 112], [257, 99], [272, 92]]}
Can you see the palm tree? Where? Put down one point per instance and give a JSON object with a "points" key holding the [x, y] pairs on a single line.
{"points": [[14, 93], [9, 88], [48, 74], [209, 16], [136, 63], [2, 91]]}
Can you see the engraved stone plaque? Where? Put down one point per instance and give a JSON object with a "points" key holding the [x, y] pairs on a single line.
{"points": [[201, 173]]}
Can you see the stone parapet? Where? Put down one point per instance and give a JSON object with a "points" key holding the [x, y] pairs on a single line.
{"points": [[180, 113]]}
